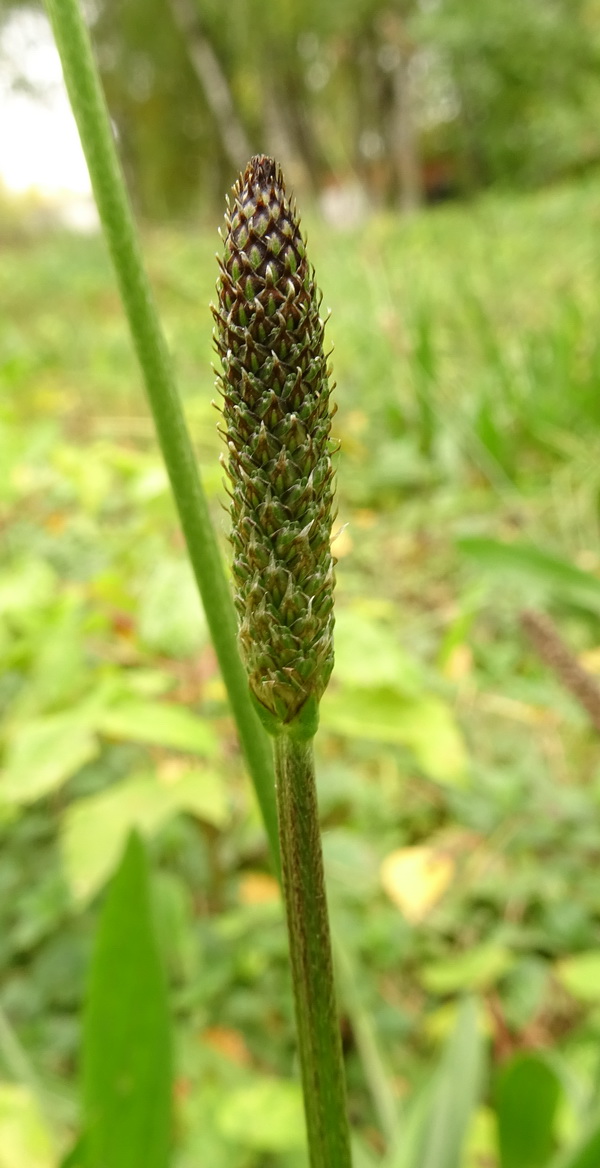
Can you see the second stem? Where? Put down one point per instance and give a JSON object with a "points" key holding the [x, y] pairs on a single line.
{"points": [[310, 955]]}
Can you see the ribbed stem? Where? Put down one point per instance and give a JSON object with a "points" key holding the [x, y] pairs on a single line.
{"points": [[89, 107], [310, 954]]}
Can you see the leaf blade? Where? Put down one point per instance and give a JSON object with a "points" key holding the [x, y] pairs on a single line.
{"points": [[436, 1135], [535, 567], [158, 723], [528, 1096], [126, 1039], [585, 1154]]}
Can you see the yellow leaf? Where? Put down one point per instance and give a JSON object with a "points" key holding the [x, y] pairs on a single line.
{"points": [[24, 1135], [229, 1043], [459, 663], [416, 878], [258, 888], [590, 660]]}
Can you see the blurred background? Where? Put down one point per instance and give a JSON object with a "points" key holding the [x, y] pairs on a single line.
{"points": [[445, 156]]}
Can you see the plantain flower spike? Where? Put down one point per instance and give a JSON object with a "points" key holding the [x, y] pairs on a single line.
{"points": [[277, 416]]}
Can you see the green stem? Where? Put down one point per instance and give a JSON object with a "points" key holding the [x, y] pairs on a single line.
{"points": [[89, 107], [310, 954]]}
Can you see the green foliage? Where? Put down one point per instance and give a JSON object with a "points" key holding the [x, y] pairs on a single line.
{"points": [[543, 577], [126, 1030], [267, 1116], [157, 104], [504, 92], [438, 549], [584, 1155], [434, 1135], [525, 70], [527, 1098], [94, 829]]}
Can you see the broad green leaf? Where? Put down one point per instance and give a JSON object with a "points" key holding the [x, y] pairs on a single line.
{"points": [[58, 675], [425, 725], [27, 585], [446, 1109], [160, 724], [536, 568], [93, 830], [76, 1157], [267, 1116], [580, 975], [526, 1103], [367, 655], [477, 969], [42, 754], [171, 619], [584, 1154], [126, 1030], [25, 1141]]}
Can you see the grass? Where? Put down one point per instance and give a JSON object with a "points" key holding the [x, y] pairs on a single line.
{"points": [[468, 368]]}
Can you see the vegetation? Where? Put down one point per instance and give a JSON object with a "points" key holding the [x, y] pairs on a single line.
{"points": [[398, 99], [458, 778]]}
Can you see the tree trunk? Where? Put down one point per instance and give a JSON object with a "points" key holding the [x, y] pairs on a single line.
{"points": [[214, 83], [403, 139]]}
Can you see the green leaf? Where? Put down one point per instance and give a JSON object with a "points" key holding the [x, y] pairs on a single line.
{"points": [[457, 1093], [477, 969], [408, 1141], [527, 1099], [425, 725], [126, 1031], [267, 1116], [368, 655], [537, 568], [362, 1157], [159, 724], [25, 1141], [448, 1105], [58, 674], [585, 1153], [76, 1157], [42, 754], [94, 830], [580, 975], [29, 584], [171, 619], [175, 924]]}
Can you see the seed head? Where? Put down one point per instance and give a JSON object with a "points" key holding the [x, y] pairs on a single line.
{"points": [[277, 416]]}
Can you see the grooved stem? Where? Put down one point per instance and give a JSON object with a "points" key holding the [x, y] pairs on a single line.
{"points": [[89, 108], [310, 954]]}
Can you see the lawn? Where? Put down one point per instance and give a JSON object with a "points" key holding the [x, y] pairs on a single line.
{"points": [[459, 778]]}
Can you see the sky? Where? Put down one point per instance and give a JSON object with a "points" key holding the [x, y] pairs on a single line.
{"points": [[39, 144]]}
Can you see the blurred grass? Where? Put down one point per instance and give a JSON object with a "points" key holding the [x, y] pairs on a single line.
{"points": [[467, 358]]}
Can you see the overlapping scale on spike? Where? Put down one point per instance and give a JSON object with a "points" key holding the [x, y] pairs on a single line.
{"points": [[277, 414]]}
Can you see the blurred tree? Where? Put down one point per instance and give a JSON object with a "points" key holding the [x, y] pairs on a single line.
{"points": [[395, 95], [215, 84], [517, 83], [158, 106]]}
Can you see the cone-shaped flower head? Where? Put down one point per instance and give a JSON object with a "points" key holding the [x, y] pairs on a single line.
{"points": [[277, 424]]}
